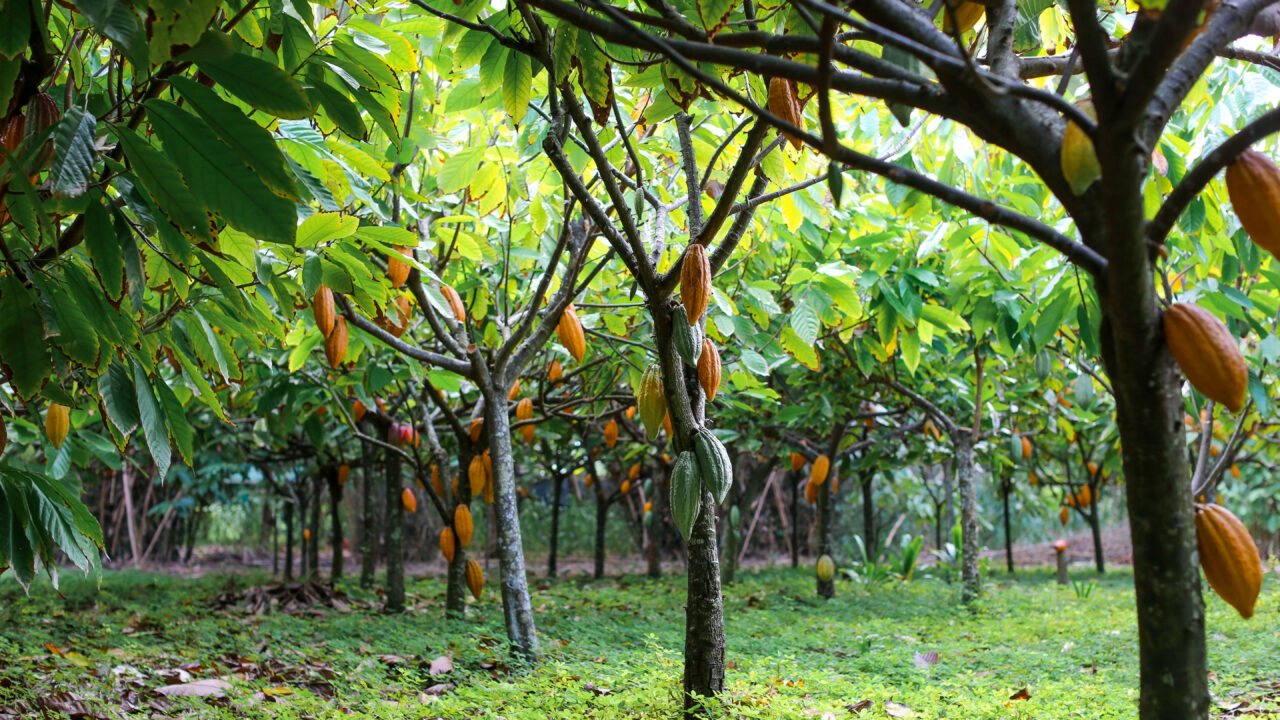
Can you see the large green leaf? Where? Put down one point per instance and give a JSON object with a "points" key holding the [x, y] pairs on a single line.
{"points": [[15, 27], [15, 548], [154, 428], [215, 172], [163, 183], [517, 85], [77, 336], [22, 353], [259, 84], [179, 427], [73, 153], [115, 386], [100, 240]]}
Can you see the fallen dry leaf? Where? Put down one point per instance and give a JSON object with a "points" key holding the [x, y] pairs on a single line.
{"points": [[211, 687], [441, 665], [1023, 694]]}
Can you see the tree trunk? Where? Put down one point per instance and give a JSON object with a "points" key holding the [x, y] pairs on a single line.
{"points": [[455, 596], [335, 521], [517, 607], [369, 522], [275, 544], [313, 547], [967, 484], [795, 518], [602, 518], [729, 566], [704, 640], [304, 504], [869, 531], [658, 528], [1008, 531], [135, 543], [1099, 559], [394, 535], [826, 588], [949, 499], [288, 541], [555, 524]]}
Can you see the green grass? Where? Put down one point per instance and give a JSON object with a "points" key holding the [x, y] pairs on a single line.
{"points": [[791, 655]]}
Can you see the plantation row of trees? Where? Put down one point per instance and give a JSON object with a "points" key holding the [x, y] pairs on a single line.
{"points": [[741, 245]]}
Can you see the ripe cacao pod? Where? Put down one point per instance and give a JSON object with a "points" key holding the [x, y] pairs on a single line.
{"points": [[1079, 160], [409, 500], [1253, 184], [686, 493], [797, 461], [811, 492], [476, 475], [476, 429], [1229, 557], [514, 392], [322, 309], [455, 302], [1084, 498], [631, 413], [713, 464], [611, 433], [344, 473], [1207, 354], [57, 423], [784, 103], [335, 346], [1026, 448], [695, 282], [826, 568], [358, 410], [475, 578], [625, 487], [1035, 479], [462, 525], [687, 338], [524, 411], [397, 269], [709, 369], [306, 535], [404, 313], [652, 400], [1235, 471], [1064, 515], [555, 372], [967, 16], [569, 330], [821, 466], [648, 507], [436, 483], [447, 547]]}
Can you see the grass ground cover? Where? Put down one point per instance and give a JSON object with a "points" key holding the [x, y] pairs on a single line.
{"points": [[133, 643]]}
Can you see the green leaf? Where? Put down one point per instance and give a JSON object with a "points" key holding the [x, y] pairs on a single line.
{"points": [[179, 427], [459, 170], [73, 153], [260, 84], [566, 50], [22, 354], [596, 77], [100, 241], [215, 173], [805, 323], [799, 349], [517, 85], [163, 183], [323, 227], [15, 548], [152, 419], [340, 109], [76, 334], [15, 27], [715, 13], [119, 397]]}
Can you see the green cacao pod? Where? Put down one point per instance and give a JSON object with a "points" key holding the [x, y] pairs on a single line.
{"points": [[651, 399], [826, 568], [1043, 365], [713, 464], [687, 338], [734, 516], [686, 493]]}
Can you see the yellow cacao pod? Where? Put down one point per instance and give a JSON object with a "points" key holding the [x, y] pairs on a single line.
{"points": [[1079, 160], [784, 103], [447, 547], [1253, 184], [475, 578], [821, 466], [695, 282], [652, 400], [1064, 515], [826, 568], [1229, 557], [455, 302], [397, 269], [569, 330], [709, 369], [409, 500], [1084, 498], [476, 429], [322, 309], [57, 423], [462, 525], [514, 392], [555, 372], [967, 16], [335, 346], [476, 475], [436, 483], [797, 461], [1207, 354], [611, 433], [1026, 448], [811, 492]]}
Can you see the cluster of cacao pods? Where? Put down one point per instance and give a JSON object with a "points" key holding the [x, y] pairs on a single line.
{"points": [[1082, 499], [403, 434], [332, 326], [706, 467], [817, 476]]}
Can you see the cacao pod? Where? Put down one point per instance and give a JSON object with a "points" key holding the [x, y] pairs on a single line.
{"points": [[709, 369], [1207, 354], [358, 410], [652, 400], [1079, 160], [686, 493], [1064, 515], [1229, 557], [462, 524], [611, 433], [1084, 498], [648, 507], [666, 424], [514, 392], [1235, 471], [826, 568], [409, 500], [397, 269], [821, 466], [322, 309], [404, 311], [687, 339], [476, 475], [811, 492], [555, 372], [569, 330], [476, 429], [447, 548], [1253, 184], [625, 487], [455, 302], [695, 282], [634, 472], [335, 346], [524, 409], [436, 483], [797, 461], [784, 103], [631, 413], [1026, 448], [589, 481], [475, 578], [344, 473], [306, 535], [1043, 365], [1035, 480], [967, 16], [57, 423], [713, 464]]}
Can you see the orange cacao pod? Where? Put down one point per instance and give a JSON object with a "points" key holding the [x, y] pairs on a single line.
{"points": [[1026, 448], [695, 282], [436, 483], [409, 500], [344, 473], [821, 466], [1064, 515], [455, 302], [709, 369], [569, 330], [625, 487], [1084, 498], [397, 269], [1207, 354], [784, 103], [630, 413], [477, 427], [555, 372], [611, 433], [475, 578], [57, 423], [358, 411], [447, 548], [306, 534], [404, 311], [462, 524], [514, 391], [1253, 184], [322, 309], [1229, 557], [476, 475], [634, 472], [811, 492], [524, 411], [797, 461], [335, 346]]}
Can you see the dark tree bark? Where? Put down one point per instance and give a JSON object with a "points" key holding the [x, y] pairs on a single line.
{"points": [[335, 522], [602, 519], [795, 517], [826, 501], [558, 480], [657, 526], [704, 640], [967, 485], [288, 541], [1099, 559], [313, 547], [369, 522], [455, 597], [869, 530], [394, 535], [1006, 486]]}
